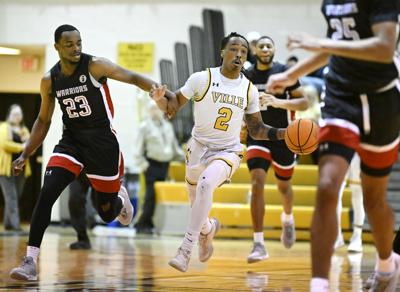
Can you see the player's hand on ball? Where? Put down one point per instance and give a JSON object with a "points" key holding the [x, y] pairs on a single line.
{"points": [[18, 165], [157, 91]]}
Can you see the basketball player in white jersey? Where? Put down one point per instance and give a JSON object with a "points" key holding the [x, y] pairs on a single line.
{"points": [[222, 96]]}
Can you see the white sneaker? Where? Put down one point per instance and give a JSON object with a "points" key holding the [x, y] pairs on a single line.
{"points": [[339, 242], [206, 248], [355, 244], [126, 214], [258, 253], [288, 236], [181, 260], [26, 271], [385, 282]]}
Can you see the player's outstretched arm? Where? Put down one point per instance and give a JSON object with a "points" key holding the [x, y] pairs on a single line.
{"points": [[378, 48], [41, 125], [277, 83], [260, 131], [168, 105], [102, 67]]}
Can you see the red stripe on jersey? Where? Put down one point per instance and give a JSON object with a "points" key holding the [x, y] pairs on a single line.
{"points": [[378, 159], [58, 161], [256, 153], [340, 135], [106, 186], [109, 100], [283, 172]]}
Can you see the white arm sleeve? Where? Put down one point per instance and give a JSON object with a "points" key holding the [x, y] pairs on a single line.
{"points": [[196, 85], [253, 105]]}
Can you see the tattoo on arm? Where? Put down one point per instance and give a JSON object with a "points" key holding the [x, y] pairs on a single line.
{"points": [[260, 131]]}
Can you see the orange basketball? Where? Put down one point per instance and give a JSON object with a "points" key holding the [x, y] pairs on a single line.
{"points": [[301, 136]]}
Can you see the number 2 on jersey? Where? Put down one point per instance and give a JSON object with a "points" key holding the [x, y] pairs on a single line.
{"points": [[221, 123], [71, 107]]}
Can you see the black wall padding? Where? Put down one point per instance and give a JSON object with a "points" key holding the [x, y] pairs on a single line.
{"points": [[182, 63], [168, 74], [197, 41], [214, 32]]}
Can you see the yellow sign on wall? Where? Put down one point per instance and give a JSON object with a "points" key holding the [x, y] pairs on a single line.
{"points": [[138, 57]]}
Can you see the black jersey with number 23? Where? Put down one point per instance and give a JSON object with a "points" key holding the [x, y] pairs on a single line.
{"points": [[85, 103]]}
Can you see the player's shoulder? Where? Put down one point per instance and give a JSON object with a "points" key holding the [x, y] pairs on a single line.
{"points": [[46, 78]]}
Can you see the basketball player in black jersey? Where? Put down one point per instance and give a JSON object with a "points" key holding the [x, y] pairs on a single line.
{"points": [[362, 114], [276, 110], [78, 82]]}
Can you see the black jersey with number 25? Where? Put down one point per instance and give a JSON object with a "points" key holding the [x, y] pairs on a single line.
{"points": [[352, 20], [85, 103]]}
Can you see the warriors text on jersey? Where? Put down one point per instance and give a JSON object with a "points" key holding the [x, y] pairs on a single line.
{"points": [[219, 107], [352, 20], [85, 103]]}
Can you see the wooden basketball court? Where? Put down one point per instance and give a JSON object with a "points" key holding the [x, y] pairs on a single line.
{"points": [[140, 264]]}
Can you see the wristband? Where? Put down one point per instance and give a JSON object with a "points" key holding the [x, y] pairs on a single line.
{"points": [[272, 134]]}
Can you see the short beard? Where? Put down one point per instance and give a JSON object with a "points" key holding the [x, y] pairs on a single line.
{"points": [[271, 58]]}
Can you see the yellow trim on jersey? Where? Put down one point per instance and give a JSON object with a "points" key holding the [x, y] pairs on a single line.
{"points": [[190, 182], [230, 164], [354, 182], [248, 95], [208, 87]]}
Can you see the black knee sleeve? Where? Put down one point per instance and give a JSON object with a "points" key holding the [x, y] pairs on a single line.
{"points": [[56, 179], [108, 205]]}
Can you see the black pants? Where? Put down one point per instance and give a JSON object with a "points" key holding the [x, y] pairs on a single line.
{"points": [[56, 179], [77, 204], [157, 171]]}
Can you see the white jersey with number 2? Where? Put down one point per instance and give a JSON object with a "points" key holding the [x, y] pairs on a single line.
{"points": [[219, 107]]}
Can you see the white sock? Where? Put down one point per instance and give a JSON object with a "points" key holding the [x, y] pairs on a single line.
{"points": [[258, 237], [287, 217], [33, 251], [319, 285], [206, 228], [387, 265], [190, 240]]}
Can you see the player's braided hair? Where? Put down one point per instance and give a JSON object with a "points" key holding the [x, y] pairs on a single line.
{"points": [[62, 28]]}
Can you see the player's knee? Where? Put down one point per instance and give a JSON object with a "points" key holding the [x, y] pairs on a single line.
{"points": [[328, 192], [107, 216], [374, 203], [204, 187]]}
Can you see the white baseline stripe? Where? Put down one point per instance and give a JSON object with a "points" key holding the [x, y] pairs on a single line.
{"points": [[70, 158], [284, 166], [108, 178], [380, 149], [340, 123]]}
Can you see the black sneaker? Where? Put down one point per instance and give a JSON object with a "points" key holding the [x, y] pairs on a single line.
{"points": [[82, 244]]}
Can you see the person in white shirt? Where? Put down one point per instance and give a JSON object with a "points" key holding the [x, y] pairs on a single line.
{"points": [[156, 146], [222, 97]]}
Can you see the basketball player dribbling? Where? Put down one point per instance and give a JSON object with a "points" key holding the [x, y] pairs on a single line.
{"points": [[361, 114], [79, 83], [222, 96]]}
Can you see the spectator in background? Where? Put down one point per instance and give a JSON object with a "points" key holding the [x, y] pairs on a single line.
{"points": [[156, 147], [13, 135], [252, 37], [291, 61]]}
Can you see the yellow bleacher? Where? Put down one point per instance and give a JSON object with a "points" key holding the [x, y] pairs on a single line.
{"points": [[231, 201]]}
